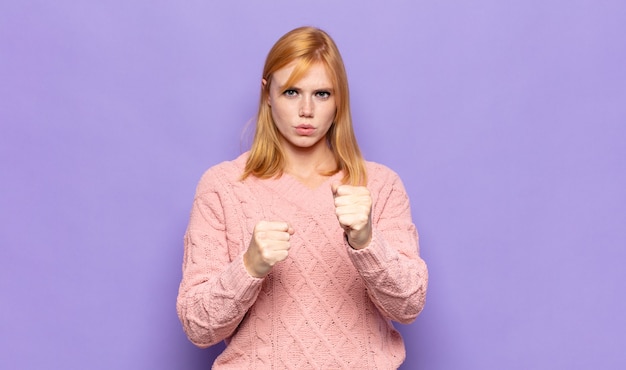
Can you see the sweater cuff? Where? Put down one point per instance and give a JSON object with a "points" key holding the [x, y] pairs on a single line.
{"points": [[238, 280], [372, 258]]}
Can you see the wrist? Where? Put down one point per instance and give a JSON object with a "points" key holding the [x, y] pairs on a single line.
{"points": [[249, 267], [357, 245]]}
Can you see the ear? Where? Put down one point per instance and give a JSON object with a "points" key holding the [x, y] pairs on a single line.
{"points": [[264, 86]]}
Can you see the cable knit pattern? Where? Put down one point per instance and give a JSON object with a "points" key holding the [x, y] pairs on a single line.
{"points": [[326, 306]]}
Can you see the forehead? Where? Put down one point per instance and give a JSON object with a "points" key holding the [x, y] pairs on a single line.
{"points": [[315, 75]]}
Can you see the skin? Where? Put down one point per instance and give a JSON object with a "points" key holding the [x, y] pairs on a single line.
{"points": [[353, 206], [303, 114], [310, 102]]}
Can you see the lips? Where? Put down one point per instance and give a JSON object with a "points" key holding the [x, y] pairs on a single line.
{"points": [[305, 130]]}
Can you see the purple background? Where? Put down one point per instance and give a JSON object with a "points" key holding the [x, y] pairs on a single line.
{"points": [[505, 119]]}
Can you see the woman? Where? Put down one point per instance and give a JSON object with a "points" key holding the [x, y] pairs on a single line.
{"points": [[299, 253]]}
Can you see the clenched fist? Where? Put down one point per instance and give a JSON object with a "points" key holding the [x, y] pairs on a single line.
{"points": [[353, 205], [269, 245]]}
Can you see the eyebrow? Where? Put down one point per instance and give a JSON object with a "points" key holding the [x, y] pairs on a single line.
{"points": [[329, 89]]}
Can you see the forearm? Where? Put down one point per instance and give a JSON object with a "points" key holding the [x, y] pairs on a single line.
{"points": [[396, 281], [211, 308]]}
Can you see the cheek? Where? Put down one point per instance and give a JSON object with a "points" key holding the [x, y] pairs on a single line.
{"points": [[280, 115], [330, 114], [284, 110], [276, 112]]}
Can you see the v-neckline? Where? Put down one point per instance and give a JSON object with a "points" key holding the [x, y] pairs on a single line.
{"points": [[296, 192], [327, 181]]}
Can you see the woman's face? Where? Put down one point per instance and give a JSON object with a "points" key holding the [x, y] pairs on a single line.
{"points": [[304, 112]]}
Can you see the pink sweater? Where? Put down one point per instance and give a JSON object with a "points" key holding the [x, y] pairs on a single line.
{"points": [[326, 306]]}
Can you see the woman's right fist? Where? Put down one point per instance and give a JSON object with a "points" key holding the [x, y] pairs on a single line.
{"points": [[269, 245]]}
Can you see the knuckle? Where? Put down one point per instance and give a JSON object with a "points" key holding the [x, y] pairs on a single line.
{"points": [[266, 255]]}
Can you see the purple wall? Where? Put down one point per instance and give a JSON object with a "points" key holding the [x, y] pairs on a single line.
{"points": [[506, 120]]}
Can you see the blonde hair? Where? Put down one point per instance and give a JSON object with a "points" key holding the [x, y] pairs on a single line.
{"points": [[306, 46]]}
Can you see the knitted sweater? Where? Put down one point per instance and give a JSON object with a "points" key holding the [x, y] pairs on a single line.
{"points": [[326, 306]]}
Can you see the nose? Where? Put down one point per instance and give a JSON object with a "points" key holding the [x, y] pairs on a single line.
{"points": [[306, 107]]}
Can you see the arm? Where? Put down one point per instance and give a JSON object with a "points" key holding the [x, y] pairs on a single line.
{"points": [[395, 275], [215, 292]]}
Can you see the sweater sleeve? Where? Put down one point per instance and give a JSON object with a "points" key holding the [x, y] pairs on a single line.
{"points": [[394, 274], [216, 290]]}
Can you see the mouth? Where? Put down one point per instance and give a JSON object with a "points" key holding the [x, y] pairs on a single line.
{"points": [[305, 130]]}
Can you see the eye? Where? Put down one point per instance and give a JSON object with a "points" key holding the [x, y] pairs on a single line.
{"points": [[290, 92], [323, 94]]}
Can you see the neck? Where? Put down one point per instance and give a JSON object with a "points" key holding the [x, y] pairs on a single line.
{"points": [[307, 162]]}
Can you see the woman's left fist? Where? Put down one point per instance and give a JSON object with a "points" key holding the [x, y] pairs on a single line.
{"points": [[353, 206]]}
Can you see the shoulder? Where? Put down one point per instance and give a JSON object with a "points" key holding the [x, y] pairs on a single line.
{"points": [[222, 175], [387, 190], [379, 175], [383, 181]]}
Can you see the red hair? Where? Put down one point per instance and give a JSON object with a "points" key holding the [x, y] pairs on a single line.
{"points": [[306, 46]]}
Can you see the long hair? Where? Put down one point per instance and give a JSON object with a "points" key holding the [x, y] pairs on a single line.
{"points": [[306, 46]]}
